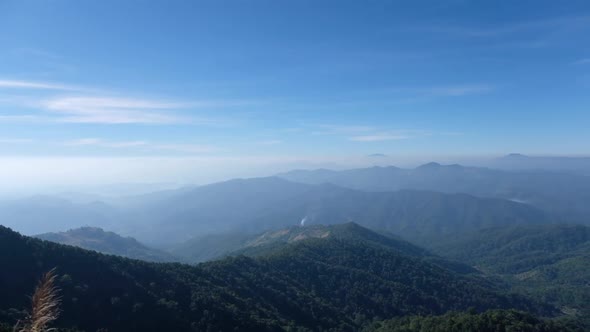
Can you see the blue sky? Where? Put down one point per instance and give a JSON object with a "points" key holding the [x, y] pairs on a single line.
{"points": [[218, 83]]}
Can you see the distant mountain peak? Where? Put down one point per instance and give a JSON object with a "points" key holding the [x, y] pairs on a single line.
{"points": [[291, 234], [429, 165], [88, 228], [348, 232], [97, 239], [515, 155]]}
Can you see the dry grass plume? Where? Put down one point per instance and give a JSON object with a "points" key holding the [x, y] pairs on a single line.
{"points": [[45, 304]]}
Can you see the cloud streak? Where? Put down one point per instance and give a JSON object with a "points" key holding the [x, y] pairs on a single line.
{"points": [[142, 145], [452, 90], [270, 142], [25, 118], [378, 137], [547, 25], [16, 84], [459, 90], [15, 140], [362, 133], [95, 107], [107, 110], [334, 129], [104, 143]]}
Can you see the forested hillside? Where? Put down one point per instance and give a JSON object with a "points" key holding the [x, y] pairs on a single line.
{"points": [[313, 284], [549, 262], [489, 321], [93, 238]]}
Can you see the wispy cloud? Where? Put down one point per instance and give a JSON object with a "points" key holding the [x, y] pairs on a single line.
{"points": [[104, 143], [584, 61], [15, 140], [458, 90], [334, 129], [510, 28], [451, 90], [142, 145], [95, 106], [377, 137], [15, 84], [83, 141], [186, 148], [25, 118], [270, 142], [107, 110], [365, 133]]}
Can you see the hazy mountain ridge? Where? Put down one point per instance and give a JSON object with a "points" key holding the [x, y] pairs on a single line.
{"points": [[96, 239], [252, 206], [41, 214], [211, 246], [517, 161], [256, 205], [564, 194]]}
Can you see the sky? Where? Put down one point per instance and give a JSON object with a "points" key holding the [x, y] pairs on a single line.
{"points": [[198, 91]]}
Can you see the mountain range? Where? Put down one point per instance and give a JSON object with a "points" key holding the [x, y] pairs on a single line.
{"points": [[255, 205], [252, 206]]}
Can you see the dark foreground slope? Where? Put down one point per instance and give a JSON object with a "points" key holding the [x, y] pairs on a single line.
{"points": [[96, 239], [314, 284]]}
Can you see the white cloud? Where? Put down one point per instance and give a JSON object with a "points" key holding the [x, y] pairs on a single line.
{"points": [[540, 27], [458, 90], [107, 110], [16, 84], [104, 143], [100, 107], [126, 144], [26, 118], [270, 142], [15, 140], [187, 148], [83, 141], [361, 133], [143, 145], [379, 137], [584, 61], [335, 129]]}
